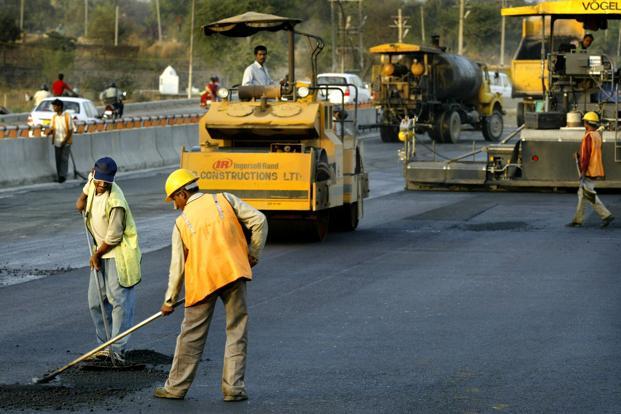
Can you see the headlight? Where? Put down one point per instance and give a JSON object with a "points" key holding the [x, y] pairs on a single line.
{"points": [[303, 92], [223, 93]]}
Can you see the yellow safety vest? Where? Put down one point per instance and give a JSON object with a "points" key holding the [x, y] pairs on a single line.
{"points": [[216, 252], [596, 166], [127, 254]]}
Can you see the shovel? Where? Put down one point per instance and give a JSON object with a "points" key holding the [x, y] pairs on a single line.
{"points": [[48, 377], [95, 273]]}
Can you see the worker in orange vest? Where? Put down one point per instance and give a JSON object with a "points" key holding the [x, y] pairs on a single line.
{"points": [[209, 247], [590, 168]]}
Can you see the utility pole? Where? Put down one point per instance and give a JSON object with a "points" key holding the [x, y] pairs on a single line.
{"points": [[401, 24], [191, 46], [159, 21], [422, 23], [333, 30], [85, 18], [21, 16], [347, 24], [116, 25], [502, 36], [460, 41]]}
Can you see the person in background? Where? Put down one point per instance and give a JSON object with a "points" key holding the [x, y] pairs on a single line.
{"points": [[62, 88], [213, 86], [113, 96], [257, 73], [586, 42], [591, 168], [41, 94], [61, 131]]}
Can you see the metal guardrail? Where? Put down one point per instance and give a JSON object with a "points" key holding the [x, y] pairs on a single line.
{"points": [[90, 127], [135, 106]]}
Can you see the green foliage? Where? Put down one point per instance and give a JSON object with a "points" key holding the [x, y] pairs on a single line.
{"points": [[10, 30], [57, 42]]}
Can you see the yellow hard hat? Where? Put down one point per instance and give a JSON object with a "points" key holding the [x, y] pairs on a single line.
{"points": [[177, 179], [591, 117], [402, 136]]}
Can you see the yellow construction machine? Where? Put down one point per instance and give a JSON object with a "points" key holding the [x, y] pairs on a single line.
{"points": [[277, 147], [568, 81], [529, 75]]}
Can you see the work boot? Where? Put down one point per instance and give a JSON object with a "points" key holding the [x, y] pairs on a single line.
{"points": [[238, 397], [606, 221], [573, 224], [117, 358], [100, 355], [160, 392]]}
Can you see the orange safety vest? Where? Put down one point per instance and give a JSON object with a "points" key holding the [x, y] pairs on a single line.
{"points": [[66, 126], [596, 166], [216, 249]]}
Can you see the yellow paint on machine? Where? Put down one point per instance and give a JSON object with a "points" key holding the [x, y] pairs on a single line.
{"points": [[269, 181]]}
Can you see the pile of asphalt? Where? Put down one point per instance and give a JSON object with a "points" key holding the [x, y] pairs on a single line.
{"points": [[80, 390]]}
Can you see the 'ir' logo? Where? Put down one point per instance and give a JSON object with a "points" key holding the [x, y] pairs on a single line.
{"points": [[222, 164]]}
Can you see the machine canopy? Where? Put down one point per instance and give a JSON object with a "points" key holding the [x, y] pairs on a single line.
{"points": [[250, 23]]}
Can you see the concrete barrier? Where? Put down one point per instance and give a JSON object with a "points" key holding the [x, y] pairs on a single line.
{"points": [[141, 144], [31, 160], [82, 151], [166, 144], [26, 161]]}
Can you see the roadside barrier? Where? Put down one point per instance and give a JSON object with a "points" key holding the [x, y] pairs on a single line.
{"points": [[27, 157]]}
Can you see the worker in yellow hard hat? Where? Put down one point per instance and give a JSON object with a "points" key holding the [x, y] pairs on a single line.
{"points": [[591, 169], [210, 250]]}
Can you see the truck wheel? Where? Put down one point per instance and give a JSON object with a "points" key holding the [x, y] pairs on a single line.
{"points": [[450, 126], [519, 118], [435, 133], [389, 133], [493, 126]]}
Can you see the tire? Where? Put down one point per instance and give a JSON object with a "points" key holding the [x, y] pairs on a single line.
{"points": [[435, 133], [450, 126], [319, 226], [519, 118], [345, 217], [389, 133], [493, 126]]}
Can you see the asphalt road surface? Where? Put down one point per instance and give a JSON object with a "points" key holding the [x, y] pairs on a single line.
{"points": [[440, 302]]}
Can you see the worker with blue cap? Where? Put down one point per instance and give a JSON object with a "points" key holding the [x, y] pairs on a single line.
{"points": [[116, 256]]}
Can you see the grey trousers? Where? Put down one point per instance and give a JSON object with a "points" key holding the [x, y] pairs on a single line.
{"points": [[193, 335], [586, 192], [118, 302], [62, 161]]}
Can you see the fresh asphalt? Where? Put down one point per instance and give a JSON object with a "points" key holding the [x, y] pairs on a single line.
{"points": [[439, 303]]}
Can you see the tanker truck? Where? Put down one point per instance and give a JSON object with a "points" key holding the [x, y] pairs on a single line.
{"points": [[439, 90]]}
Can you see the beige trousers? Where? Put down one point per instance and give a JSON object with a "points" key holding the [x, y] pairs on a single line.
{"points": [[586, 192], [193, 335]]}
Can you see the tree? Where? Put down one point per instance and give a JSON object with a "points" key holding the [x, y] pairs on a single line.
{"points": [[10, 30]]}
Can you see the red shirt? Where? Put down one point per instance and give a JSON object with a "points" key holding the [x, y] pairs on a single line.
{"points": [[59, 86]]}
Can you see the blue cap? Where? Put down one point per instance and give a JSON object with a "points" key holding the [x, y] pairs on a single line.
{"points": [[105, 169]]}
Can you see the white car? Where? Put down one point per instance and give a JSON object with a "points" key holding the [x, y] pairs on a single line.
{"points": [[81, 109], [500, 82], [349, 92]]}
